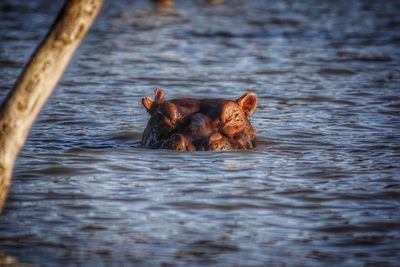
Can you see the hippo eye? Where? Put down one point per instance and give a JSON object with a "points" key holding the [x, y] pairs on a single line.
{"points": [[158, 118]]}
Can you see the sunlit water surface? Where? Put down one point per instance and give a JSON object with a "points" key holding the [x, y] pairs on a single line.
{"points": [[321, 188]]}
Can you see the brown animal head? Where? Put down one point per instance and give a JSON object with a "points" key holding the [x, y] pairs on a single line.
{"points": [[199, 124]]}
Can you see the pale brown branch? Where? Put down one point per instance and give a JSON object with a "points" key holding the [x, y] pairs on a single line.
{"points": [[38, 80]]}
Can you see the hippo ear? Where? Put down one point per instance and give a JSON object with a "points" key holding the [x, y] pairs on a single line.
{"points": [[148, 104], [159, 95], [248, 103], [151, 105]]}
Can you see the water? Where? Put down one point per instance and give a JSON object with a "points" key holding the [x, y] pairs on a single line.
{"points": [[322, 188]]}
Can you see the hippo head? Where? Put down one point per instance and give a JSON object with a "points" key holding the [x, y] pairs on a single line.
{"points": [[199, 124], [164, 119]]}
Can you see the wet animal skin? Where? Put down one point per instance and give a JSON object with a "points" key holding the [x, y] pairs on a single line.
{"points": [[199, 124]]}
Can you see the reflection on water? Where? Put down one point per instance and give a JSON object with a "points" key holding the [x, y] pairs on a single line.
{"points": [[321, 188]]}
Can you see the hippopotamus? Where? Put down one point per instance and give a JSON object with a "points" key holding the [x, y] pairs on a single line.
{"points": [[189, 124]]}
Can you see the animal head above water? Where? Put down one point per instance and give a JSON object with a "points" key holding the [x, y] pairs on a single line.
{"points": [[190, 124]]}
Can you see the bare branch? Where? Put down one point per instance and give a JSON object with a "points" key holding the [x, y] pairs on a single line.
{"points": [[38, 80]]}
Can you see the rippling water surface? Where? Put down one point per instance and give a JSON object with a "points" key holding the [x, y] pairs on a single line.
{"points": [[322, 187]]}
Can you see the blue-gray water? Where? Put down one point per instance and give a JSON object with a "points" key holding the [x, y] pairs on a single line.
{"points": [[322, 188]]}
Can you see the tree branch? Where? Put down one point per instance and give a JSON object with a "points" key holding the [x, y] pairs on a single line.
{"points": [[38, 80]]}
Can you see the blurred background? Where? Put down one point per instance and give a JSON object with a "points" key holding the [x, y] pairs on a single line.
{"points": [[322, 187]]}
